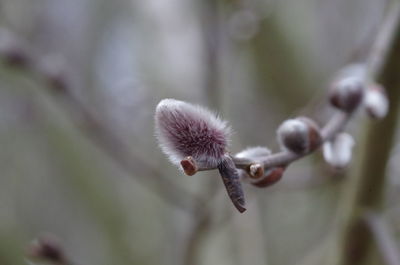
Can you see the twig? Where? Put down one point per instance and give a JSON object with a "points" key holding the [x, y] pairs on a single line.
{"points": [[284, 158], [383, 237]]}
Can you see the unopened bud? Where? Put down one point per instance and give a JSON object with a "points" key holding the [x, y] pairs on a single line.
{"points": [[186, 130], [271, 176], [338, 151], [256, 170], [300, 135], [346, 93], [376, 102], [47, 248], [11, 49], [52, 67], [189, 166]]}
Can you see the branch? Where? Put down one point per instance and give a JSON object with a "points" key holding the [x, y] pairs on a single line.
{"points": [[14, 53]]}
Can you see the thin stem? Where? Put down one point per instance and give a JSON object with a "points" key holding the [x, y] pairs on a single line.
{"points": [[332, 127]]}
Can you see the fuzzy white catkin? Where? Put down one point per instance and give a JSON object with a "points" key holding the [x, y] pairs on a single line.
{"points": [[184, 129], [338, 151], [376, 103]]}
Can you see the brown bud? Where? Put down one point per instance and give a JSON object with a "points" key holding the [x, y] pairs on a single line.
{"points": [[11, 49], [47, 248], [314, 135], [256, 170], [189, 166], [300, 135], [346, 94], [271, 176]]}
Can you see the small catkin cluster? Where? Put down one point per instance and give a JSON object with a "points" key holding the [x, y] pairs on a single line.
{"points": [[351, 88], [196, 139]]}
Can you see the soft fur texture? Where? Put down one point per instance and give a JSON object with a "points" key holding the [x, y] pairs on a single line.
{"points": [[338, 151], [184, 130], [376, 103]]}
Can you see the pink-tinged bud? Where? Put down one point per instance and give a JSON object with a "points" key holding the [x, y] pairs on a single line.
{"points": [[347, 93], [186, 130], [270, 177], [300, 135], [11, 50], [256, 170], [376, 102], [338, 151]]}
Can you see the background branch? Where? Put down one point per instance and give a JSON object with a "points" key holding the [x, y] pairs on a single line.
{"points": [[365, 188], [14, 53]]}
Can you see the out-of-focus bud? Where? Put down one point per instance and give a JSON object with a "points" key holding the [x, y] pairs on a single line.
{"points": [[300, 135], [186, 130], [338, 151], [47, 248], [346, 93], [11, 50], [52, 68], [271, 176], [376, 102], [189, 166]]}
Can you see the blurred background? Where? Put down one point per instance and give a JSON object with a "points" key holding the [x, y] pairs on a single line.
{"points": [[78, 156]]}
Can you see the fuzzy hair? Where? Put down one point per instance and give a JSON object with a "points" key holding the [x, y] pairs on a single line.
{"points": [[338, 151], [183, 129], [376, 103]]}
